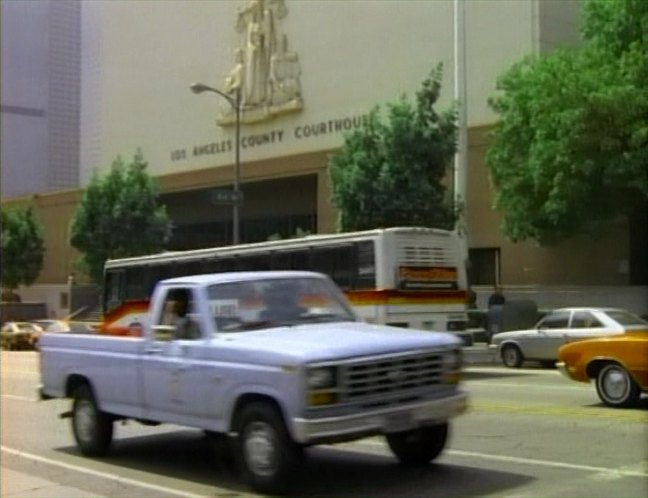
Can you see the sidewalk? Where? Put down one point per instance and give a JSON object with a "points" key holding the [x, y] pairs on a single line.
{"points": [[17, 484]]}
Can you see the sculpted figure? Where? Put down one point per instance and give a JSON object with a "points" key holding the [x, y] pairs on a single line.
{"points": [[284, 75], [265, 73]]}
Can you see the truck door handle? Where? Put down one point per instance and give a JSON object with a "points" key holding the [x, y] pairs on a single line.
{"points": [[153, 350]]}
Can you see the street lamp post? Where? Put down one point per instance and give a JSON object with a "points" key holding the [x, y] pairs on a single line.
{"points": [[236, 105]]}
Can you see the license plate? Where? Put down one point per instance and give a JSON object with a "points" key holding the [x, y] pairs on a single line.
{"points": [[399, 422]]}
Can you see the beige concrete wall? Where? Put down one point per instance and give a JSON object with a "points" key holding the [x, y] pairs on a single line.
{"points": [[558, 23], [353, 55]]}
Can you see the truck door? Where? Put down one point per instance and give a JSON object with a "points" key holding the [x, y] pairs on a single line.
{"points": [[171, 389]]}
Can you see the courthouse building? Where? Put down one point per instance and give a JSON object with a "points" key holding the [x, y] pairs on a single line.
{"points": [[307, 72]]}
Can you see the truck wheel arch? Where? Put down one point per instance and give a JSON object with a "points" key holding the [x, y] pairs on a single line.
{"points": [[74, 381], [244, 400]]}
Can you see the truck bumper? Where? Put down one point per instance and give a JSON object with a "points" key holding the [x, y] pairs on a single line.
{"points": [[382, 421]]}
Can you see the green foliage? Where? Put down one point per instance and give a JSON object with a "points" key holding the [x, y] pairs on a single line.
{"points": [[119, 217], [390, 172], [570, 151], [23, 248]]}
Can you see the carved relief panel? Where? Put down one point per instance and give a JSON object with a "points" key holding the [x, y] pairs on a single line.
{"points": [[266, 73]]}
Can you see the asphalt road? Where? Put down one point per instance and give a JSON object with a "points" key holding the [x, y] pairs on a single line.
{"points": [[529, 433]]}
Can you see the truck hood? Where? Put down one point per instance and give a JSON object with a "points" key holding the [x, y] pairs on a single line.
{"points": [[340, 340]]}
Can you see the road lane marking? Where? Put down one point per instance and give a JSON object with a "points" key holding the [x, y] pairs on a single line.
{"points": [[20, 373], [624, 471], [639, 416], [490, 383], [510, 372], [96, 473], [19, 398], [618, 472]]}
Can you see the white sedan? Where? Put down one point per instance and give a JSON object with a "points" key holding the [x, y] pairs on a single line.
{"points": [[559, 327]]}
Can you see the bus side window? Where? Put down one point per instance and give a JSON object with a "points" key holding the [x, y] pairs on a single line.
{"points": [[113, 290], [281, 260], [253, 262], [155, 274], [336, 262], [136, 279], [299, 260], [365, 266], [191, 267]]}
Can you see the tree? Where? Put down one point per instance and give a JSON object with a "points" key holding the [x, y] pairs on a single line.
{"points": [[118, 216], [390, 172], [570, 151], [23, 248]]}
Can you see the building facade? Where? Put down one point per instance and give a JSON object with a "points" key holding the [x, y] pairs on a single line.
{"points": [[306, 72]]}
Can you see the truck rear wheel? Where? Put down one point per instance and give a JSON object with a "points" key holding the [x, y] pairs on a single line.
{"points": [[419, 446], [93, 429], [267, 455]]}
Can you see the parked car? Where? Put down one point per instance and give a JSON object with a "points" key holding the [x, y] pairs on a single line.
{"points": [[52, 325], [62, 326], [16, 336], [618, 364], [559, 327]]}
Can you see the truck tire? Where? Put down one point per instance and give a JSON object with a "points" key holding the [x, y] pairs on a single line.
{"points": [[92, 429], [266, 454], [419, 446]]}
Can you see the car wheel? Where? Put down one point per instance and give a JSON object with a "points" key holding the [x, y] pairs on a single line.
{"points": [[267, 455], [92, 429], [615, 387], [419, 446], [512, 356]]}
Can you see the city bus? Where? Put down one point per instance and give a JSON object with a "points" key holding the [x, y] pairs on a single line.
{"points": [[410, 277]]}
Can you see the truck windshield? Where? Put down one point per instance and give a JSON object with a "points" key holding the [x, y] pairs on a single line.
{"points": [[275, 302]]}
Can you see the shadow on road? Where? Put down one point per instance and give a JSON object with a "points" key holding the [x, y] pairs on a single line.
{"points": [[494, 374], [642, 404], [326, 472]]}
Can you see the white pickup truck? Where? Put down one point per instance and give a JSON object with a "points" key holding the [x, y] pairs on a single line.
{"points": [[275, 360]]}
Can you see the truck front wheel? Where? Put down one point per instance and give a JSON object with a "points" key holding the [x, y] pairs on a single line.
{"points": [[93, 429], [266, 453], [419, 446]]}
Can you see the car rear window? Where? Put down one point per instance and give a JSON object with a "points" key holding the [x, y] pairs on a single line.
{"points": [[626, 318]]}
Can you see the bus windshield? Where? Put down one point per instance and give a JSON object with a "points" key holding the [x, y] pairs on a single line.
{"points": [[255, 304]]}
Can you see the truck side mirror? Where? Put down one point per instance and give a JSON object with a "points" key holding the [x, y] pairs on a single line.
{"points": [[164, 333]]}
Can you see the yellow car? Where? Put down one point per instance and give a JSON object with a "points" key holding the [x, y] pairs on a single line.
{"points": [[618, 364]]}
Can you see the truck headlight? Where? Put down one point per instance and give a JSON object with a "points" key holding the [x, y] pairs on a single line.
{"points": [[321, 377], [452, 366], [452, 360], [322, 386]]}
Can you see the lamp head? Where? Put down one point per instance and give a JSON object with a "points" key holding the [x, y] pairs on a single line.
{"points": [[198, 87]]}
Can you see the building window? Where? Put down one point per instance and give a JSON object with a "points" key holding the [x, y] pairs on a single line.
{"points": [[484, 266]]}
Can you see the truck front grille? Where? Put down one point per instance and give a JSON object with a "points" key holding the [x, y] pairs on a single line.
{"points": [[391, 376]]}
